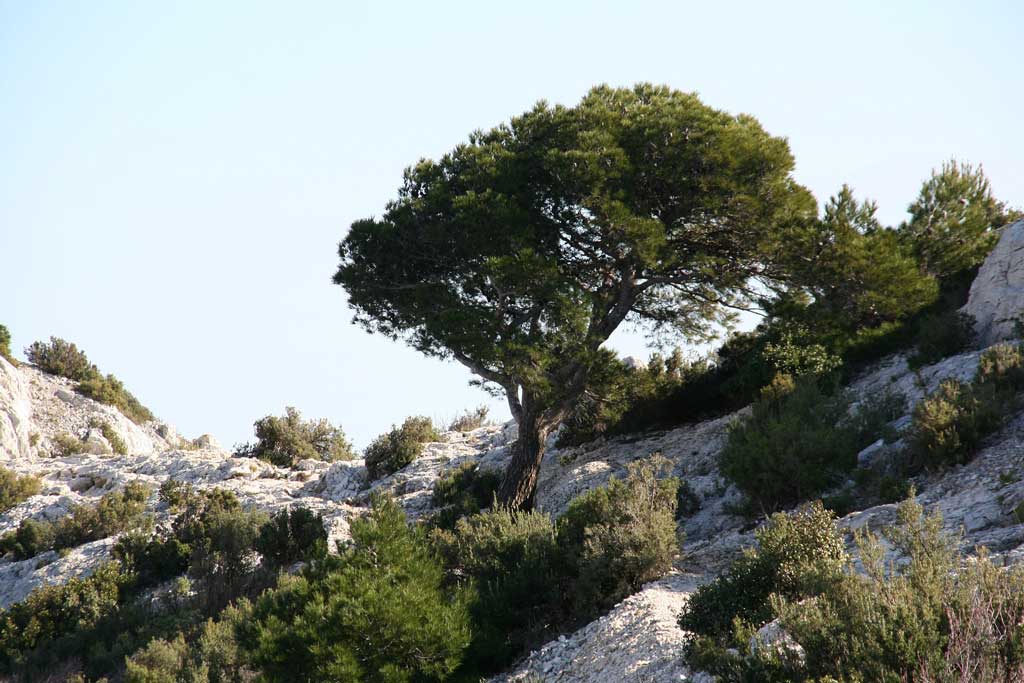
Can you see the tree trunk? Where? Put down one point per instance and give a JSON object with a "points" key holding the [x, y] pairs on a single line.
{"points": [[518, 489]]}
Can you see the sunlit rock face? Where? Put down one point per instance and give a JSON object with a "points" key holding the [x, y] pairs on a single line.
{"points": [[997, 295]]}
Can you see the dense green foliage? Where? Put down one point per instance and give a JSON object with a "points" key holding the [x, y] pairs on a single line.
{"points": [[283, 441], [520, 252], [115, 512], [536, 578], [953, 220], [797, 555], [798, 441], [395, 449], [942, 335], [462, 491], [15, 489], [378, 612], [292, 535], [5, 345], [950, 423], [64, 359]]}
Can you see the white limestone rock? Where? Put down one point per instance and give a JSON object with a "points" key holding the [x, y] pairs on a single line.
{"points": [[996, 299], [15, 413]]}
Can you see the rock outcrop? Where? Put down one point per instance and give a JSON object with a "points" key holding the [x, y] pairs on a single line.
{"points": [[997, 294]]}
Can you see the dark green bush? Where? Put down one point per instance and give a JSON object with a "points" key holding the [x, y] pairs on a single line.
{"points": [[794, 445], [942, 335], [151, 560], [392, 451], [535, 579], [798, 554], [176, 494], [61, 358], [283, 441], [52, 611], [378, 612], [5, 345], [512, 558], [291, 536], [1002, 366], [111, 391], [462, 491], [117, 444], [619, 537], [115, 512], [15, 489]]}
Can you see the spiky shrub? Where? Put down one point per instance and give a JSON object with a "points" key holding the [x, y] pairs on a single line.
{"points": [[795, 443], [61, 358], [379, 612], [470, 420], [395, 449], [15, 489], [462, 491], [285, 440], [1003, 367]]}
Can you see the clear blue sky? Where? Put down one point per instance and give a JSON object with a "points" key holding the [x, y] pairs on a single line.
{"points": [[174, 177]]}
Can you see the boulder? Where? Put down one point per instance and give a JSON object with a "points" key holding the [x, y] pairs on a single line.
{"points": [[996, 299], [15, 413]]}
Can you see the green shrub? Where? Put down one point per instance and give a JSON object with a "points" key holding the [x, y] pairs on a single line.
{"points": [[1002, 366], [949, 425], [283, 441], [50, 612], [535, 579], [378, 612], [687, 501], [151, 560], [111, 391], [176, 494], [117, 444], [292, 535], [61, 358], [5, 346], [115, 512], [65, 445], [392, 451], [795, 444], [798, 554], [942, 335], [462, 491], [470, 420], [619, 537], [15, 489]]}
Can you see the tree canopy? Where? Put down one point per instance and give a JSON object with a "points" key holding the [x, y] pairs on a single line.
{"points": [[520, 251]]}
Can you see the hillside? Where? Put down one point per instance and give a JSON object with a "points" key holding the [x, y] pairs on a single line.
{"points": [[639, 639]]}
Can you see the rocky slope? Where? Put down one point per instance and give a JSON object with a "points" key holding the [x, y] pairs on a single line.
{"points": [[638, 640]]}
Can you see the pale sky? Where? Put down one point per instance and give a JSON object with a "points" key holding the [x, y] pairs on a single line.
{"points": [[175, 177]]}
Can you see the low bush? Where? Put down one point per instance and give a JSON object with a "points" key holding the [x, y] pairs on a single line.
{"points": [[292, 535], [469, 420], [535, 579], [111, 391], [378, 612], [50, 612], [117, 444], [66, 444], [15, 489], [796, 443], [462, 491], [942, 335], [619, 537], [797, 555], [61, 358], [928, 617], [392, 451], [949, 424], [115, 512], [285, 440]]}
